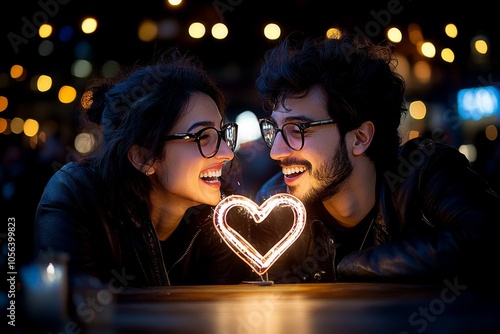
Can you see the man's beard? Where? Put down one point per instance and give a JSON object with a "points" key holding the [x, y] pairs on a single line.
{"points": [[331, 175]]}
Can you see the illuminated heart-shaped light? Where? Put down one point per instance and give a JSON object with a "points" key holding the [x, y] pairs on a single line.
{"points": [[239, 245]]}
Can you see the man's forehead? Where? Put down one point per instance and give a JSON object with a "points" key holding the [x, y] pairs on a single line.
{"points": [[306, 108]]}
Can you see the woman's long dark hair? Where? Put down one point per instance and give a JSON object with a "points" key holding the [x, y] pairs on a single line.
{"points": [[139, 108]]}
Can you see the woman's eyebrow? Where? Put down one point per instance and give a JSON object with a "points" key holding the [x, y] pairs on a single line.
{"points": [[199, 124]]}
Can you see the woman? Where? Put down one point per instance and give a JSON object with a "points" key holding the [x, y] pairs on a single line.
{"points": [[138, 211]]}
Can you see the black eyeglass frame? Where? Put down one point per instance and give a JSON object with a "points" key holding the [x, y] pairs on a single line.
{"points": [[197, 137], [301, 125]]}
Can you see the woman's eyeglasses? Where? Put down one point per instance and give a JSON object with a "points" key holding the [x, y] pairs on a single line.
{"points": [[209, 138], [293, 133]]}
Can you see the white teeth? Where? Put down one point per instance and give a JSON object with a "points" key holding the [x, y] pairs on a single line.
{"points": [[292, 170], [211, 173]]}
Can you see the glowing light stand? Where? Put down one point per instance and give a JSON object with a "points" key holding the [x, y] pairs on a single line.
{"points": [[239, 245]]}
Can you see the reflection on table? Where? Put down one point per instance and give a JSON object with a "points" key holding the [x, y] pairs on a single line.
{"points": [[295, 308]]}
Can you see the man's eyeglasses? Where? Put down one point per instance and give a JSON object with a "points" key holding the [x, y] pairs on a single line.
{"points": [[209, 138], [293, 133]]}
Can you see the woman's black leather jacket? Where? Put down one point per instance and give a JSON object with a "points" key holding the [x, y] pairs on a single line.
{"points": [[71, 218]]}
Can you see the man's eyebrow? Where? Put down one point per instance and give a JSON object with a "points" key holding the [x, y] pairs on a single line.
{"points": [[297, 118]]}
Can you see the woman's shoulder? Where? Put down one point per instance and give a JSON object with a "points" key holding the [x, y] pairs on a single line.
{"points": [[72, 176], [77, 169]]}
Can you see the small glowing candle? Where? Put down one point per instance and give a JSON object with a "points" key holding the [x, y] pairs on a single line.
{"points": [[45, 291], [245, 250]]}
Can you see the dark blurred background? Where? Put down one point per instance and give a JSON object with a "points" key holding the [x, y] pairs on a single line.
{"points": [[30, 158]]}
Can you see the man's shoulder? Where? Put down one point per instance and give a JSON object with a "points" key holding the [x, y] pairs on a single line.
{"points": [[272, 186], [423, 151], [422, 144]]}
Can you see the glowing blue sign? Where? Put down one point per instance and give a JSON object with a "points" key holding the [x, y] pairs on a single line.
{"points": [[476, 103]]}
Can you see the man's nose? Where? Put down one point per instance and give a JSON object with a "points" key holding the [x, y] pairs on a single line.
{"points": [[280, 148]]}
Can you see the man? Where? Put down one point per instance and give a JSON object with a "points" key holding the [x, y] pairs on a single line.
{"points": [[378, 210]]}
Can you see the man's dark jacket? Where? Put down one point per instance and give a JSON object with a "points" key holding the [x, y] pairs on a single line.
{"points": [[435, 219], [72, 219]]}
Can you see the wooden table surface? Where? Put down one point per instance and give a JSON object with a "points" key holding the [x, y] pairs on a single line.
{"points": [[298, 308]]}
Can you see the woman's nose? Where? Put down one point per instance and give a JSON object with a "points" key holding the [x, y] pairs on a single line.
{"points": [[225, 151]]}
